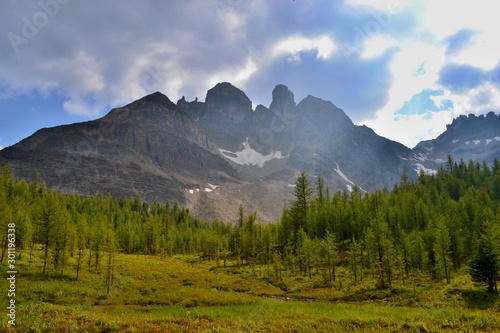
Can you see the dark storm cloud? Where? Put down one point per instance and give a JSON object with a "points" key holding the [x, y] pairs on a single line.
{"points": [[105, 53]]}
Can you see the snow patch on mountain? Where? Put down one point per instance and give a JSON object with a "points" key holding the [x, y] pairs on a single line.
{"points": [[249, 156], [344, 177], [212, 186], [420, 157], [427, 171]]}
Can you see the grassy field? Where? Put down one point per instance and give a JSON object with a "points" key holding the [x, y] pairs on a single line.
{"points": [[185, 294]]}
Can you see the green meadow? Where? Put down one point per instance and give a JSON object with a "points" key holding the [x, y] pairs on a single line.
{"points": [[187, 294], [423, 257]]}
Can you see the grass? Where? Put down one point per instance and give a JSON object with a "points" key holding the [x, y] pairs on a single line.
{"points": [[185, 294]]}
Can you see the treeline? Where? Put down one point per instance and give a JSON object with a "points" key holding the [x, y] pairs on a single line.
{"points": [[91, 229], [436, 225]]}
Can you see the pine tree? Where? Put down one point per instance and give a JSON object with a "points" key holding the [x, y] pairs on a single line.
{"points": [[485, 266], [241, 216], [299, 207]]}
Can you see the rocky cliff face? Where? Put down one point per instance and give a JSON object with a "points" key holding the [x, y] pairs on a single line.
{"points": [[313, 135], [149, 147]]}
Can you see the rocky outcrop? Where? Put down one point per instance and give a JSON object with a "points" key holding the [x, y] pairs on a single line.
{"points": [[283, 100], [472, 137]]}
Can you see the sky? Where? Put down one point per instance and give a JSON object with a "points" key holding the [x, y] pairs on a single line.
{"points": [[404, 68]]}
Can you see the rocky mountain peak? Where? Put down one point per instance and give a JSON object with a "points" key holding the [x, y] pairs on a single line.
{"points": [[490, 119], [469, 137], [157, 98], [150, 107], [228, 100], [283, 99]]}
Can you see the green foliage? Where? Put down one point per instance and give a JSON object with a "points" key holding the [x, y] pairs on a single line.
{"points": [[303, 195], [386, 246], [432, 226], [485, 265]]}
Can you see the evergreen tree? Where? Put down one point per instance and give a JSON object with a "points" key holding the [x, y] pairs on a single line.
{"points": [[485, 266], [299, 206]]}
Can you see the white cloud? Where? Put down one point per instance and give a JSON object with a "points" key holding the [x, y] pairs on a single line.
{"points": [[478, 16], [376, 46], [410, 129], [76, 105], [479, 100], [415, 68], [237, 75], [293, 45], [483, 52], [392, 6], [445, 17]]}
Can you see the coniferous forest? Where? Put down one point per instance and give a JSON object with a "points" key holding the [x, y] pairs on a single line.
{"points": [[435, 226], [422, 256]]}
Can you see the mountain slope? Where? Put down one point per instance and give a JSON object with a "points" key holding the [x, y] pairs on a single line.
{"points": [[149, 147]]}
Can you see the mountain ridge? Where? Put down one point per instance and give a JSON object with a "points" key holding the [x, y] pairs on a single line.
{"points": [[215, 155]]}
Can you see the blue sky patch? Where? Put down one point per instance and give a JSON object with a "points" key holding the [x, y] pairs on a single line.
{"points": [[422, 103]]}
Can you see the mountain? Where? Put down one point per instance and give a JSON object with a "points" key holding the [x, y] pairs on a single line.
{"points": [[470, 137], [149, 147], [314, 135], [215, 155]]}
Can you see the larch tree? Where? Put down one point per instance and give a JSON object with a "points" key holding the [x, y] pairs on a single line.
{"points": [[442, 243], [485, 266]]}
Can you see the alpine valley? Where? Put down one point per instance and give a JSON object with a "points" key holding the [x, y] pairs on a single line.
{"points": [[216, 155]]}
